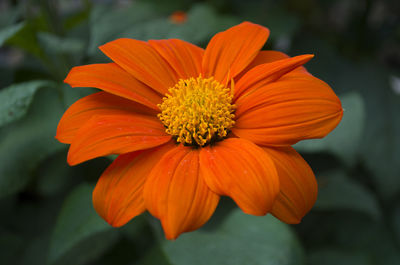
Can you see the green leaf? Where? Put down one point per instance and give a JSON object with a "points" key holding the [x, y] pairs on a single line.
{"points": [[26, 142], [9, 32], [331, 256], [240, 239], [345, 140], [107, 23], [80, 235], [54, 175], [55, 44], [396, 222], [381, 148], [202, 23], [17, 98], [339, 192], [11, 246]]}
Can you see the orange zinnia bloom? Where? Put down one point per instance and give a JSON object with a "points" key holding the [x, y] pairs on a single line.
{"points": [[191, 125]]}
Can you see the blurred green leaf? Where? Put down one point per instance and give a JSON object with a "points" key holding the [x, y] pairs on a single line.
{"points": [[17, 98], [381, 148], [11, 246], [202, 23], [351, 234], [8, 32], [240, 239], [80, 235], [26, 38], [26, 142], [396, 222], [54, 175], [339, 192], [107, 23], [345, 140], [35, 251], [331, 256], [155, 256], [55, 44]]}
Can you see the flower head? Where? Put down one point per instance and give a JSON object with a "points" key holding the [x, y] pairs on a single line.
{"points": [[191, 125]]}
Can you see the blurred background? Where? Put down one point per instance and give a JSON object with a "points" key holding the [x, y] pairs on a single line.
{"points": [[46, 215]]}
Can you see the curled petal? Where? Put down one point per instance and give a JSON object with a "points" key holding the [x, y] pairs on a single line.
{"points": [[264, 74], [284, 112], [176, 193], [116, 134], [140, 60], [118, 195], [111, 78], [230, 51], [100, 103], [184, 57], [298, 190], [243, 171], [272, 56]]}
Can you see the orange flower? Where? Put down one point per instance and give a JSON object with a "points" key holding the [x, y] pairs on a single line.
{"points": [[191, 125]]}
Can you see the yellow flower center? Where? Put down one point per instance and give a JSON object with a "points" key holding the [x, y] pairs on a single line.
{"points": [[197, 111]]}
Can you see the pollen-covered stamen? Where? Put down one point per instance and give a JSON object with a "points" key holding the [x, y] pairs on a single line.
{"points": [[197, 111]]}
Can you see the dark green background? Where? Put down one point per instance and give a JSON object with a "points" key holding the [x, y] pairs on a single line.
{"points": [[46, 215]]}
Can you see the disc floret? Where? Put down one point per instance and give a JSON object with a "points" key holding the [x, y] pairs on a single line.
{"points": [[197, 111]]}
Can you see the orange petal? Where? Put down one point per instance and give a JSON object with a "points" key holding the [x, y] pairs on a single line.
{"points": [[116, 134], [298, 185], [176, 193], [230, 51], [185, 58], [269, 57], [264, 74], [243, 171], [142, 61], [113, 79], [287, 111], [118, 196], [100, 103]]}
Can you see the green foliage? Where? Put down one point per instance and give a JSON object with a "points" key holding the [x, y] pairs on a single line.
{"points": [[79, 234], [265, 239], [17, 98], [46, 213], [339, 192], [9, 31], [23, 144]]}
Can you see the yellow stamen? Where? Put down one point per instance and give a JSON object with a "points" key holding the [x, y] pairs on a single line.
{"points": [[197, 111]]}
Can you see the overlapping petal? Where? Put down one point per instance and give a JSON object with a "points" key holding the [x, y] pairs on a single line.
{"points": [[185, 58], [284, 112], [100, 103], [263, 74], [243, 171], [176, 193], [116, 134], [143, 62], [269, 57], [230, 51], [111, 78], [298, 186], [118, 196]]}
